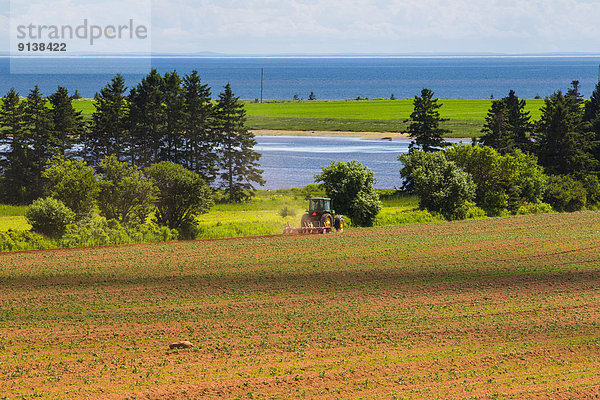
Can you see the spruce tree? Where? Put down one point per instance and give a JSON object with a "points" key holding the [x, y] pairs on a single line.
{"points": [[13, 154], [39, 140], [497, 131], [68, 125], [425, 121], [108, 131], [564, 144], [174, 108], [238, 160], [198, 119], [146, 119], [591, 118], [592, 106], [519, 121]]}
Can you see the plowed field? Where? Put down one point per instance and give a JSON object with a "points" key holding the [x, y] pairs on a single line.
{"points": [[498, 308]]}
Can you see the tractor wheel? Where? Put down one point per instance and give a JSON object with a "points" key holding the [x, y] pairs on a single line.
{"points": [[326, 220], [305, 222], [338, 223]]}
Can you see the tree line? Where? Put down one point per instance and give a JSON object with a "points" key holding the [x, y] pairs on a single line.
{"points": [[516, 165], [164, 118]]}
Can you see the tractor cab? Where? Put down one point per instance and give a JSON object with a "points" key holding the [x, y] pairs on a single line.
{"points": [[320, 205], [320, 214]]}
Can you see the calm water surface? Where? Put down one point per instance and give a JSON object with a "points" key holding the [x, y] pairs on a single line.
{"points": [[329, 78], [292, 161]]}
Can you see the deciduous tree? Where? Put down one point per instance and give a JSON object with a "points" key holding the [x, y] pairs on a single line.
{"points": [[350, 187]]}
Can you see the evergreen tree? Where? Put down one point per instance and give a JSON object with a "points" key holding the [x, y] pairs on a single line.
{"points": [[497, 130], [146, 119], [13, 150], [591, 118], [108, 131], [238, 160], [425, 120], [67, 123], [563, 143], [198, 118], [574, 93], [592, 107], [519, 121], [174, 109], [40, 142]]}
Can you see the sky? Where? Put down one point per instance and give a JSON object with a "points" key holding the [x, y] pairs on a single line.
{"points": [[275, 27]]}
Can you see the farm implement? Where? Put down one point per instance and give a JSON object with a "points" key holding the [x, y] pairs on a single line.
{"points": [[319, 218]]}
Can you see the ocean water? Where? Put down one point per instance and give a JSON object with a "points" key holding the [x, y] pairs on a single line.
{"points": [[328, 78], [292, 161]]}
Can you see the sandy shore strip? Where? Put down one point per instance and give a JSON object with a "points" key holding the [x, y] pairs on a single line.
{"points": [[369, 135]]}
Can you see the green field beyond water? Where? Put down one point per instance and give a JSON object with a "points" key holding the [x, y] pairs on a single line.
{"points": [[466, 116]]}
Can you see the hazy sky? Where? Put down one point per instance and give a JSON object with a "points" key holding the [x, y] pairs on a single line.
{"points": [[361, 26]]}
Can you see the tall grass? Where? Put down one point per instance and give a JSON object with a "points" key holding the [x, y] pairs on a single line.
{"points": [[12, 211]]}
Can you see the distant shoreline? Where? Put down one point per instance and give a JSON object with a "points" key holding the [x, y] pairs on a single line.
{"points": [[366, 135], [307, 56]]}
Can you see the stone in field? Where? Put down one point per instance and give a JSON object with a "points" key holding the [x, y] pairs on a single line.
{"points": [[184, 344]]}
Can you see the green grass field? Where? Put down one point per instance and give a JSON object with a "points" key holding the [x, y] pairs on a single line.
{"points": [[505, 308], [266, 214], [466, 116]]}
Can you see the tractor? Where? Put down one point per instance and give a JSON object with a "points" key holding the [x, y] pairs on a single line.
{"points": [[321, 215]]}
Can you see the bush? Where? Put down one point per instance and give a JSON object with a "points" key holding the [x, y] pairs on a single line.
{"points": [[182, 195], [439, 183], [503, 181], [74, 183], [350, 187], [12, 240], [592, 187], [125, 193], [535, 208], [365, 207], [101, 232], [49, 217], [286, 211], [564, 193], [474, 212]]}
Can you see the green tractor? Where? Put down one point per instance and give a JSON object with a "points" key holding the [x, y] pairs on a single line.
{"points": [[320, 214]]}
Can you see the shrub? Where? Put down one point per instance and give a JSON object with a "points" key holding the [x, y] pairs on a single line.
{"points": [[49, 217], [439, 183], [592, 187], [564, 193], [125, 192], [534, 208], [182, 195], [12, 240], [503, 181], [286, 211], [100, 231], [365, 207], [350, 187], [474, 212], [74, 183]]}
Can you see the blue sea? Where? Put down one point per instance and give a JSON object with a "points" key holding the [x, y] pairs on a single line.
{"points": [[292, 161], [328, 78]]}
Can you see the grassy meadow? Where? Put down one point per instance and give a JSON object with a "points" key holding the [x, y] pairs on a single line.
{"points": [[466, 116], [266, 214], [496, 309]]}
